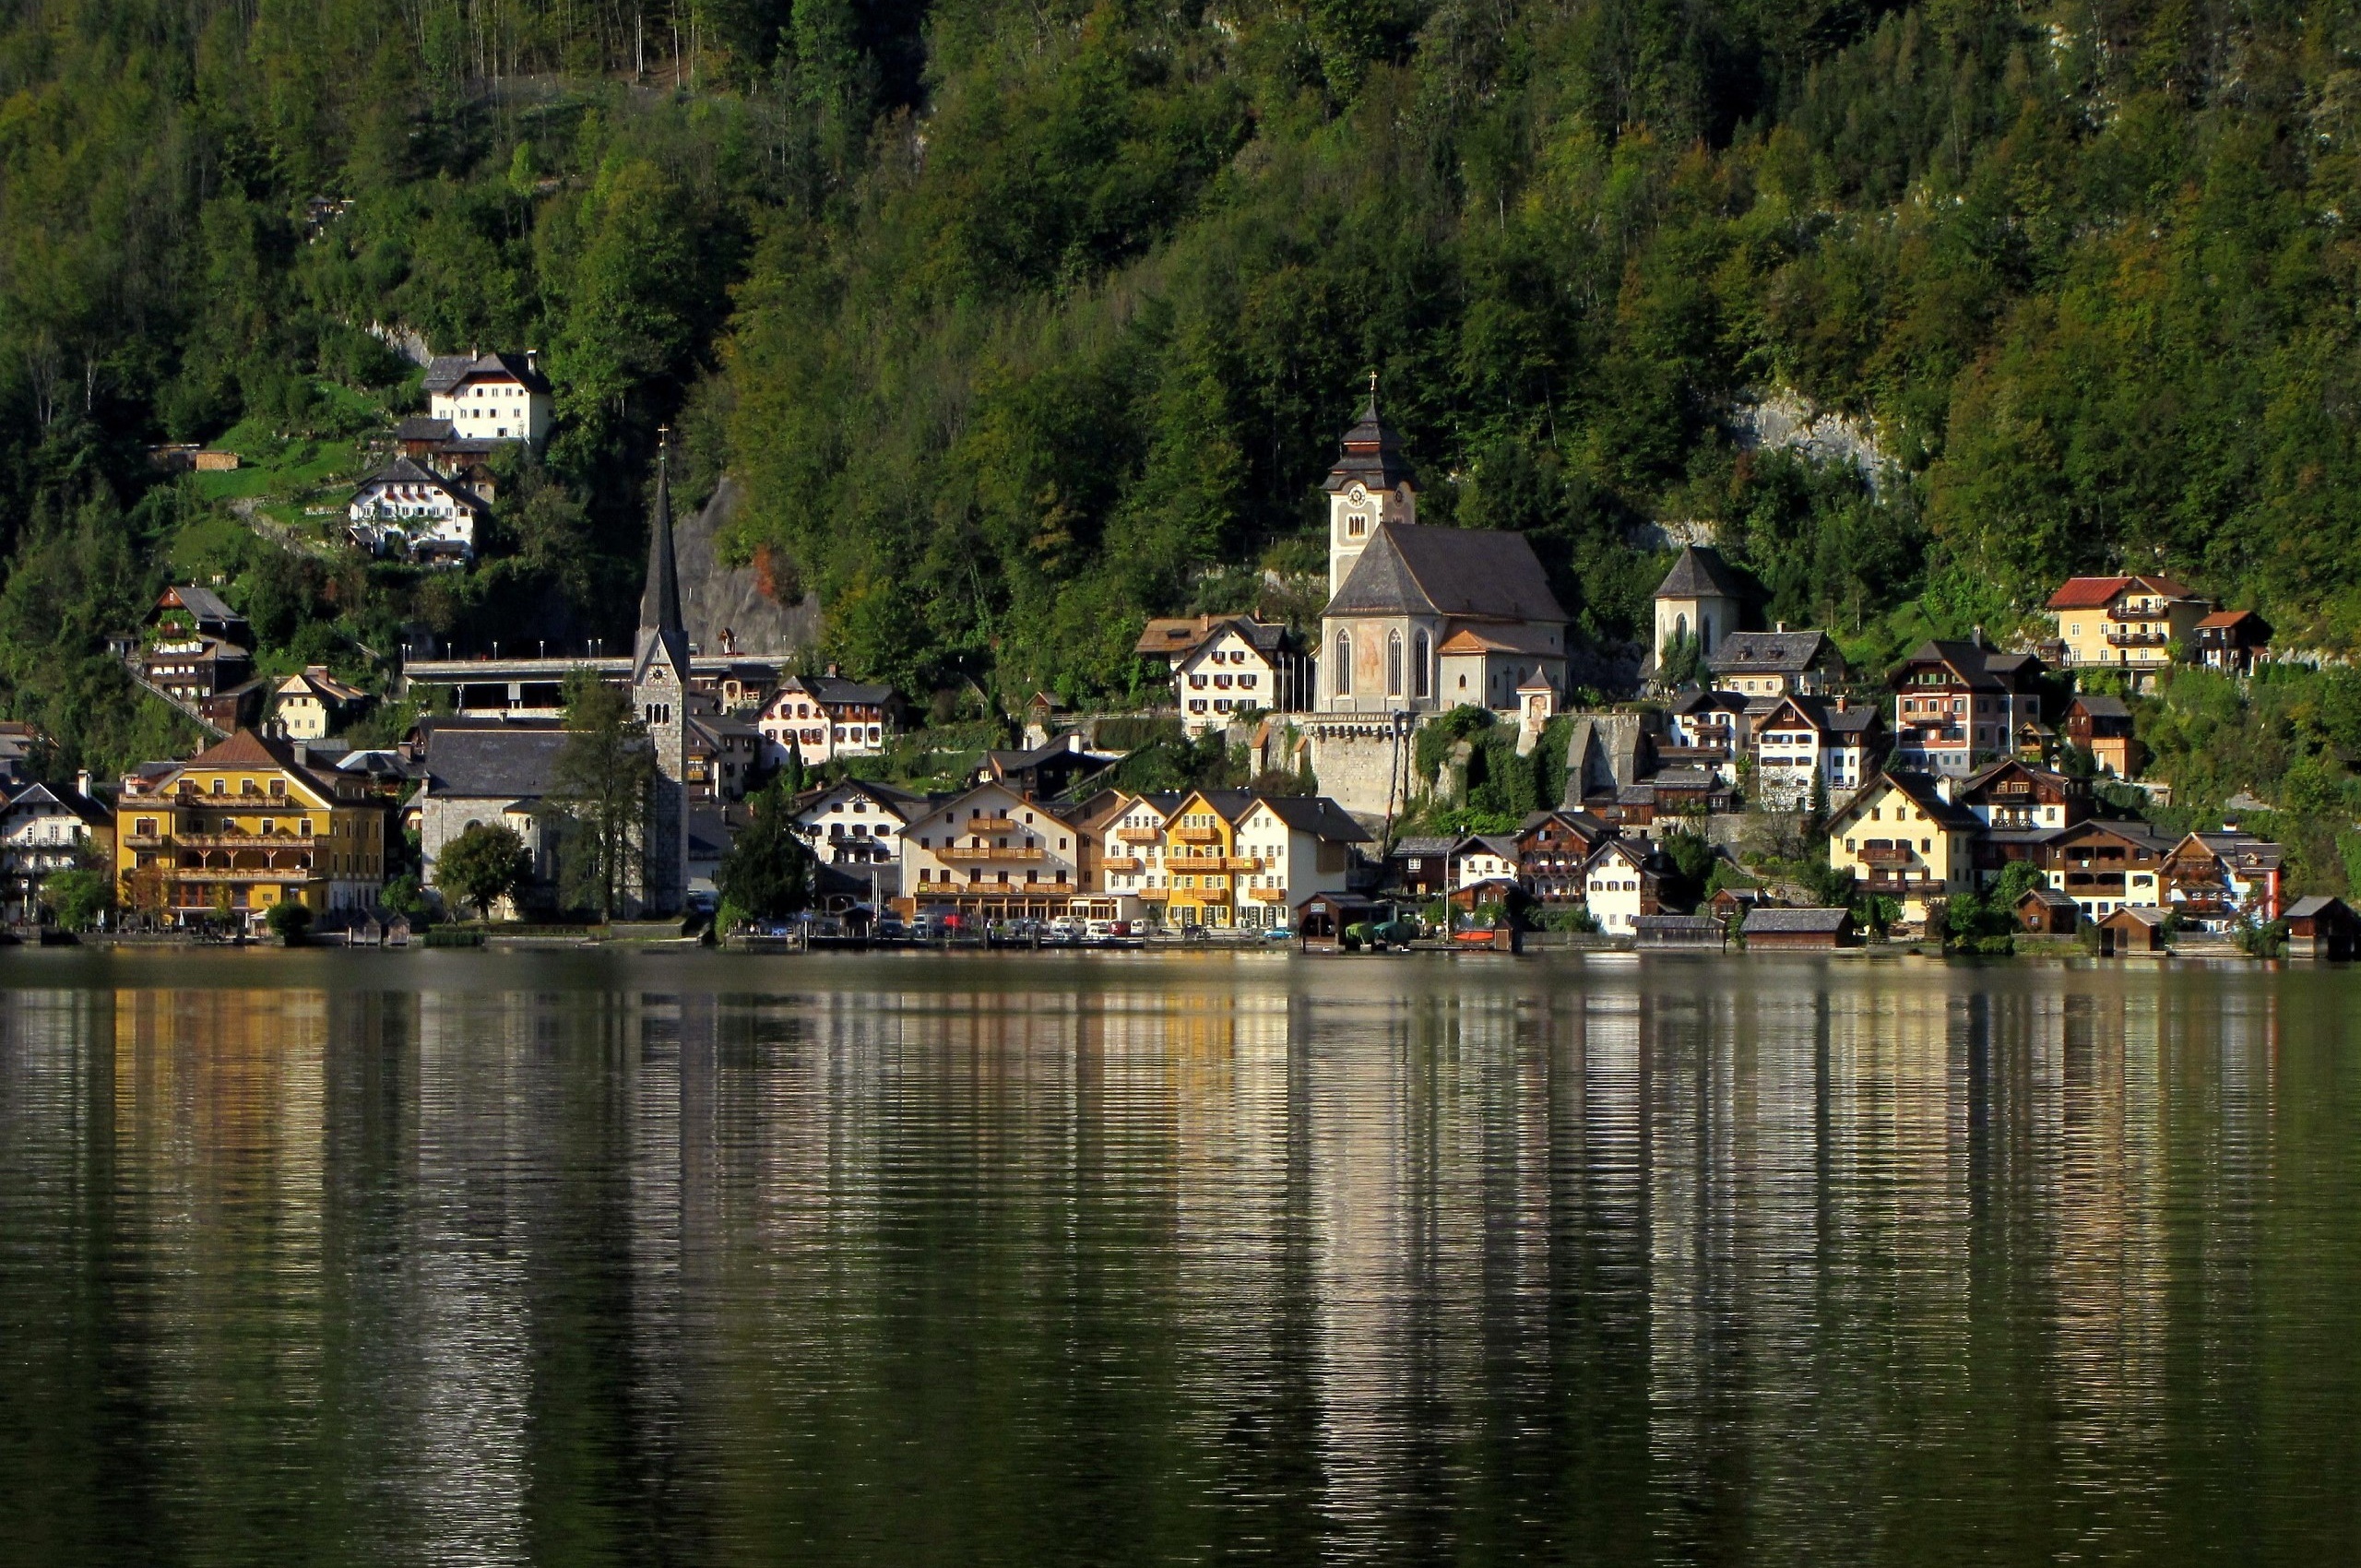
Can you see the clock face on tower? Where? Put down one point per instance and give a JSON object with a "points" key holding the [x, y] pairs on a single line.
{"points": [[1358, 496]]}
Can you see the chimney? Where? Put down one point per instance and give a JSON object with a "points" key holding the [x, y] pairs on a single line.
{"points": [[82, 784], [1841, 700], [302, 753], [1946, 789], [1976, 637], [832, 672], [1780, 624], [532, 358]]}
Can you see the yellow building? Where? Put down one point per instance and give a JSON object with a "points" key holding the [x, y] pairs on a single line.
{"points": [[2128, 623], [244, 824], [1201, 858], [1903, 837]]}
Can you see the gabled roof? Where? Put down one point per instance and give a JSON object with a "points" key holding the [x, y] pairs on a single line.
{"points": [[1477, 573], [1315, 814], [1582, 823], [92, 812], [2097, 593], [1776, 922], [2228, 620], [244, 748], [1700, 572], [447, 372], [2098, 704], [1171, 636], [1263, 636], [1502, 845], [1978, 666], [509, 764], [1774, 653], [833, 691], [409, 470], [202, 603], [2314, 904], [315, 679], [2048, 897], [1423, 846], [422, 427], [1922, 793], [1698, 700], [2143, 914]]}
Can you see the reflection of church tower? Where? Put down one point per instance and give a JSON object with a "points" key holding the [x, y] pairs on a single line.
{"points": [[1369, 486], [660, 691]]}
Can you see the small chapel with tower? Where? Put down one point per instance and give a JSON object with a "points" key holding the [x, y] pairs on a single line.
{"points": [[659, 693]]}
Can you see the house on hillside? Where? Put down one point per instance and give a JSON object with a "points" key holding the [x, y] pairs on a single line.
{"points": [[858, 825], [1240, 666], [314, 704], [2231, 641], [408, 512], [2321, 927], [1778, 663], [1833, 742], [2126, 623], [825, 717], [1400, 591], [497, 397], [44, 829], [1622, 882], [2215, 881], [991, 852], [2107, 866], [1553, 848], [1959, 704], [2102, 724]]}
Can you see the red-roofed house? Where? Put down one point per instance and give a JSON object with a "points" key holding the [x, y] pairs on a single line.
{"points": [[2232, 640], [2126, 622]]}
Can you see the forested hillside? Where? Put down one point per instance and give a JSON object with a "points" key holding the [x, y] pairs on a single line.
{"points": [[1021, 321]]}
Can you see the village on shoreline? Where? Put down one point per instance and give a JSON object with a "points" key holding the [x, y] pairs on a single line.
{"points": [[1425, 770]]}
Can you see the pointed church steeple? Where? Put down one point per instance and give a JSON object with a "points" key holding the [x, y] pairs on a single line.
{"points": [[661, 628]]}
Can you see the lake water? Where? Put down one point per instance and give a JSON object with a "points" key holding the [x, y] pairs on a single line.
{"points": [[458, 1259]]}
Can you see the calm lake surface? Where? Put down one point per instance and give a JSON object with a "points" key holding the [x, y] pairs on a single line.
{"points": [[456, 1258]]}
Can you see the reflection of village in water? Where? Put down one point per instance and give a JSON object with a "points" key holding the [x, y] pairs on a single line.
{"points": [[1617, 1236]]}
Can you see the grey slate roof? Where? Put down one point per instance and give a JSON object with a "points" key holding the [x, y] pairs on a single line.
{"points": [[2098, 704], [204, 604], [1700, 572], [1478, 574], [2049, 898], [1775, 653], [1422, 846], [447, 371], [1317, 815], [2311, 905], [409, 470], [1774, 921], [513, 763], [835, 691], [422, 427]]}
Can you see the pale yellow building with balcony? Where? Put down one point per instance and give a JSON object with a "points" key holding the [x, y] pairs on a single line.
{"points": [[1905, 837], [245, 824], [2128, 623], [994, 853]]}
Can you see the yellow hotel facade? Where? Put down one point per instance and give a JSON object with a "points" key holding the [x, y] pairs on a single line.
{"points": [[245, 824]]}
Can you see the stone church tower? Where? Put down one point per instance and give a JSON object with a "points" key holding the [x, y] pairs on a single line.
{"points": [[1369, 486], [660, 692]]}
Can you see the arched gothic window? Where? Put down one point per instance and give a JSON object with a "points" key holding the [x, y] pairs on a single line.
{"points": [[1344, 664], [1421, 660], [1394, 664]]}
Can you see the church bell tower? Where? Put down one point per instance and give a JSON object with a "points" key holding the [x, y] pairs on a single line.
{"points": [[660, 692], [1370, 487]]}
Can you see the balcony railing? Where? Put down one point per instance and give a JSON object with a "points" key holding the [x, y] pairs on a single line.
{"points": [[1236, 863], [1888, 855], [245, 840], [979, 852], [989, 824], [1899, 884], [1197, 834], [2136, 639], [1155, 895], [1139, 835], [1123, 863], [1267, 894]]}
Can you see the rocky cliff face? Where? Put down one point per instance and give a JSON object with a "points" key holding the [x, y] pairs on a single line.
{"points": [[714, 597]]}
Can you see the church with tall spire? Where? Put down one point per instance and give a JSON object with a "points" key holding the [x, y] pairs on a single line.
{"points": [[660, 691]]}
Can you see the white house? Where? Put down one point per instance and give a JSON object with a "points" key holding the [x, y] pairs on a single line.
{"points": [[824, 717], [1832, 738], [1621, 883], [43, 830], [1131, 854], [313, 704], [1775, 663], [1302, 846], [1237, 668], [406, 508], [858, 826], [491, 397], [1482, 857]]}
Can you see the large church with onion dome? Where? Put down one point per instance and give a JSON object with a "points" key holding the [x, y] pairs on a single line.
{"points": [[1422, 619]]}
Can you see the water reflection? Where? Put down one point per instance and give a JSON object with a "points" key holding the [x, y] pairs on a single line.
{"points": [[1019, 1262]]}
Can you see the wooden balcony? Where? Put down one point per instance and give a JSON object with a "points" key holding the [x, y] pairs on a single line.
{"points": [[989, 824], [2136, 639], [1139, 835], [1236, 863], [1155, 895], [1900, 885], [1123, 862], [1888, 855], [244, 841], [982, 854], [1197, 834], [1267, 894]]}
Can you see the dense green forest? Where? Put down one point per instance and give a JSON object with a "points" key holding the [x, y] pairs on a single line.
{"points": [[1021, 321]]}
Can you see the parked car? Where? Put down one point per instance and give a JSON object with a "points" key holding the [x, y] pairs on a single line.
{"points": [[889, 928]]}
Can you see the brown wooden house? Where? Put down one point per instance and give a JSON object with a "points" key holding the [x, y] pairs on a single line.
{"points": [[2322, 928]]}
